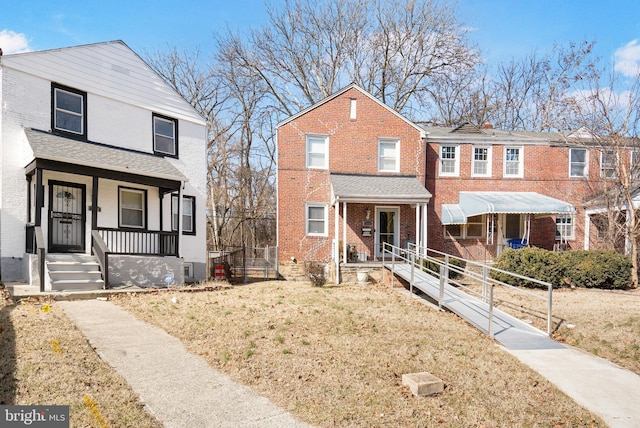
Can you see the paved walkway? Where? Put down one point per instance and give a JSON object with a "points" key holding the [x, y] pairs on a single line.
{"points": [[177, 387], [604, 388]]}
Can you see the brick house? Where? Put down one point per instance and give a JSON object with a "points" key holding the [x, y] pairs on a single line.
{"points": [[351, 176], [102, 172], [349, 164]]}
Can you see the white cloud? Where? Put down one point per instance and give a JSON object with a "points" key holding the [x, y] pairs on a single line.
{"points": [[627, 59], [12, 42]]}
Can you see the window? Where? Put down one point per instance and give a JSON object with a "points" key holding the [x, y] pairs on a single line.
{"points": [[69, 108], [188, 214], [608, 163], [352, 109], [635, 163], [188, 271], [132, 207], [475, 228], [481, 166], [316, 219], [317, 151], [165, 136], [388, 155], [513, 162], [449, 160], [564, 227], [577, 162]]}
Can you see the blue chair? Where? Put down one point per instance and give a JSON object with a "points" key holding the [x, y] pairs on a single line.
{"points": [[517, 243]]}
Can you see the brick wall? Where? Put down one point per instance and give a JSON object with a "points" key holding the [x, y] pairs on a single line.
{"points": [[353, 149]]}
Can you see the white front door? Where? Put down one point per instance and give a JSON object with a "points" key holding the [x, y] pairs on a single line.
{"points": [[387, 227]]}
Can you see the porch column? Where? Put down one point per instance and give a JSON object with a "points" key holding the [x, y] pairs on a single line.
{"points": [[587, 230], [336, 234], [94, 204], [179, 238], [418, 234], [424, 228], [344, 232], [39, 197]]}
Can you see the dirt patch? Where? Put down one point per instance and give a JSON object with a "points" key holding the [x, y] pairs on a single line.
{"points": [[335, 355]]}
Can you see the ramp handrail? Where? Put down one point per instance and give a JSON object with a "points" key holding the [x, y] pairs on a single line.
{"points": [[415, 257]]}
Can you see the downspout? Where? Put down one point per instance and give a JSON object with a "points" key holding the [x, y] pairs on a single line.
{"points": [[180, 208]]}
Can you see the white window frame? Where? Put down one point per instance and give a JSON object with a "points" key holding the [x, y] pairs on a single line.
{"points": [[565, 226], [143, 209], [188, 270], [188, 212], [174, 138], [456, 160], [464, 229], [612, 168], [585, 169], [395, 157], [325, 151], [80, 115], [325, 220], [488, 161], [634, 163], [520, 172]]}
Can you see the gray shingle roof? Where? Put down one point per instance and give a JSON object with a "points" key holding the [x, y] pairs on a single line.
{"points": [[378, 188], [57, 148]]}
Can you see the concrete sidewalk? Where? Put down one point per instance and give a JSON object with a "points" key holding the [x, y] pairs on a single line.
{"points": [[177, 387]]}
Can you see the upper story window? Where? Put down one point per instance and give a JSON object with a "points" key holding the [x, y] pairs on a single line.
{"points": [[165, 136], [132, 207], [188, 214], [481, 165], [635, 163], [69, 111], [317, 151], [449, 160], [316, 219], [608, 163], [577, 162], [513, 162], [388, 155]]}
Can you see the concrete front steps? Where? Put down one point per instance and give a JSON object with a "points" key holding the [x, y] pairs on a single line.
{"points": [[72, 272]]}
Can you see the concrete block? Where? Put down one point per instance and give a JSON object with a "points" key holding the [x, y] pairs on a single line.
{"points": [[423, 383]]}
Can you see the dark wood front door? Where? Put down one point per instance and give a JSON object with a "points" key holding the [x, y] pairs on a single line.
{"points": [[66, 217]]}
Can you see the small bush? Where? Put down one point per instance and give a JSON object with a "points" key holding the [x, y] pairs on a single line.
{"points": [[598, 269], [434, 268], [532, 262], [580, 268], [316, 273]]}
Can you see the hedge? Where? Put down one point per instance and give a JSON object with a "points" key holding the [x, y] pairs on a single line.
{"points": [[579, 268]]}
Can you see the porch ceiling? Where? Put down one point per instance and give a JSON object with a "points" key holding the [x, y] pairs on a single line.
{"points": [[66, 150], [378, 189], [477, 203]]}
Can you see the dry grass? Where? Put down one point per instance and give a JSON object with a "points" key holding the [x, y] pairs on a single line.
{"points": [[45, 360], [603, 322], [334, 356]]}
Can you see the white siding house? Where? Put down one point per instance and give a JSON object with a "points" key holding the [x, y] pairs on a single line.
{"points": [[98, 156]]}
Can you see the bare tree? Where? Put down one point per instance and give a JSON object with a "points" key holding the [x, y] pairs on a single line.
{"points": [[611, 111]]}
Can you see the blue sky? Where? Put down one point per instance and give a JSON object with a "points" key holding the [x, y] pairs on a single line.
{"points": [[501, 28]]}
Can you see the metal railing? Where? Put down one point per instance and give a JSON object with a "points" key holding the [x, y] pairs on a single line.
{"points": [[140, 242], [101, 251], [427, 260]]}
